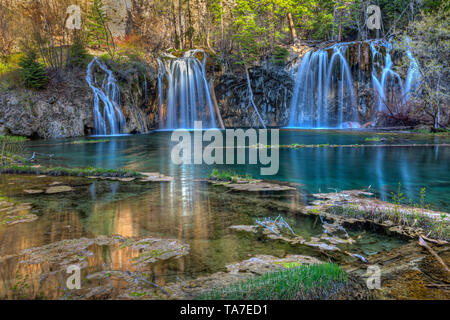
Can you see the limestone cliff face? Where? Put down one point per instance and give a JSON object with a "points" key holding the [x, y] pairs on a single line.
{"points": [[272, 91], [65, 108], [50, 113]]}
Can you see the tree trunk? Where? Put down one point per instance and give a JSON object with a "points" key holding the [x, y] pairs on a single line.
{"points": [[291, 26]]}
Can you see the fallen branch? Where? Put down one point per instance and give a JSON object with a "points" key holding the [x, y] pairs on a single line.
{"points": [[433, 253], [439, 242]]}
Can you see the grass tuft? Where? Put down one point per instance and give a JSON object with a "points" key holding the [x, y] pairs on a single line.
{"points": [[305, 282]]}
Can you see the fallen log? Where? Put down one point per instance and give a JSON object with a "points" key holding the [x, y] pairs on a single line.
{"points": [[433, 253]]}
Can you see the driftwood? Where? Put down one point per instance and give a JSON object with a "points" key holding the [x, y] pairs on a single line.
{"points": [[433, 253], [439, 242]]}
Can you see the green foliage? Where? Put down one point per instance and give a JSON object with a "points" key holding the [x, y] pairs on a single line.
{"points": [[428, 39], [10, 148], [317, 281], [75, 172], [412, 216], [226, 176], [373, 139], [78, 55], [98, 33], [32, 73], [279, 55]]}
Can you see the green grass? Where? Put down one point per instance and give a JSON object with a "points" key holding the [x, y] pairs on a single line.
{"points": [[89, 141], [435, 228], [227, 176], [317, 281], [75, 172], [373, 139]]}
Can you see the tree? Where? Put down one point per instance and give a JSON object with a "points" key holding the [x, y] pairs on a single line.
{"points": [[32, 73], [98, 32], [428, 40]]}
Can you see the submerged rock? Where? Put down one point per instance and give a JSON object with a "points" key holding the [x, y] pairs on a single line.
{"points": [[58, 189]]}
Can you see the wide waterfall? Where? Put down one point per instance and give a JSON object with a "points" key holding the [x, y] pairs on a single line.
{"points": [[108, 118], [332, 82], [184, 92]]}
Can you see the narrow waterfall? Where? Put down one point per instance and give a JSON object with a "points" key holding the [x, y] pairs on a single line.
{"points": [[332, 82], [386, 82], [108, 118], [184, 93]]}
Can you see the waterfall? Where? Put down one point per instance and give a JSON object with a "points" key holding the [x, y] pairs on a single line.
{"points": [[319, 78], [108, 119], [386, 82], [184, 93], [328, 82]]}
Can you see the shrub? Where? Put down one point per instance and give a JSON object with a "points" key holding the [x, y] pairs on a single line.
{"points": [[10, 148], [78, 55], [279, 55]]}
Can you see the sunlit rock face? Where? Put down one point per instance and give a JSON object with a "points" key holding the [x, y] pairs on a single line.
{"points": [[117, 11]]}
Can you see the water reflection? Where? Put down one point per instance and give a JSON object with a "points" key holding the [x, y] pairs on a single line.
{"points": [[193, 212], [317, 169]]}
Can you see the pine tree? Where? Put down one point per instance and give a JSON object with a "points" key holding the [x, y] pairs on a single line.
{"points": [[98, 33], [33, 73], [78, 55]]}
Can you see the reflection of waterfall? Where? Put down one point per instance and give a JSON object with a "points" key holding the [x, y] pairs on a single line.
{"points": [[108, 118], [329, 83], [184, 93]]}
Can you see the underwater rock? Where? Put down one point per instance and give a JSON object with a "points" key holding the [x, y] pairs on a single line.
{"points": [[58, 189], [14, 213], [155, 177], [244, 228], [31, 191], [153, 249], [252, 185]]}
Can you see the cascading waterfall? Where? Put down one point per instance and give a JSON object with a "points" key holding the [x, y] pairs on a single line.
{"points": [[108, 118], [386, 82], [184, 93], [327, 80], [319, 78]]}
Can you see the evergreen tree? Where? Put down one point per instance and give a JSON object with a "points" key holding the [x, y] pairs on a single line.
{"points": [[33, 73], [78, 55], [98, 33]]}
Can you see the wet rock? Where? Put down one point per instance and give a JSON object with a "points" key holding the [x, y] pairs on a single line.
{"points": [[253, 185], [33, 191], [245, 228], [14, 213], [58, 189], [155, 177], [153, 249]]}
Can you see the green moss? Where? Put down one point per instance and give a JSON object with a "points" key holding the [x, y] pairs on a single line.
{"points": [[89, 141], [373, 139], [289, 264], [227, 176]]}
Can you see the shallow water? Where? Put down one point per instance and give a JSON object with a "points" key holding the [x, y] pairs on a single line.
{"points": [[195, 213], [314, 169]]}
